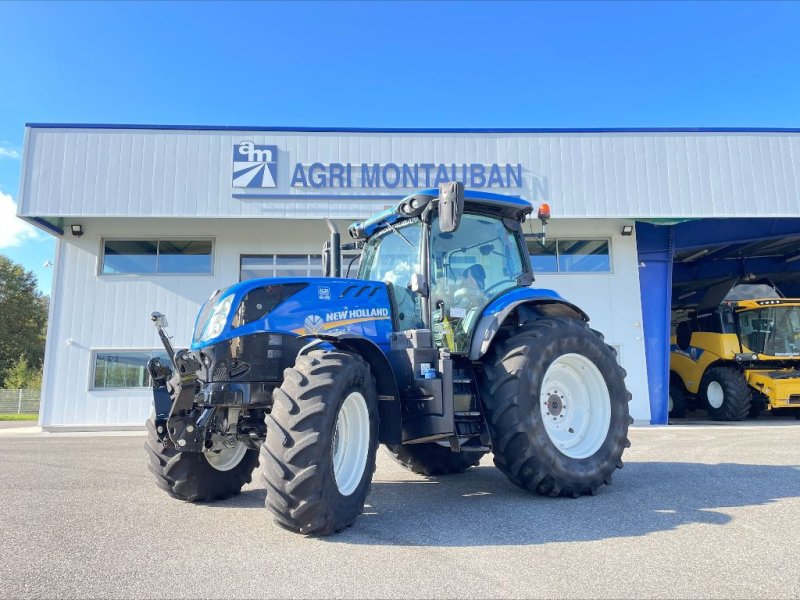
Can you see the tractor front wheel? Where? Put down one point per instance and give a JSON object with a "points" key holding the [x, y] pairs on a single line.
{"points": [[199, 476], [557, 407], [726, 394], [431, 459], [322, 436]]}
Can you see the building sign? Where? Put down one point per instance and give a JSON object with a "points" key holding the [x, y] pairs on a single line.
{"points": [[257, 166], [404, 175]]}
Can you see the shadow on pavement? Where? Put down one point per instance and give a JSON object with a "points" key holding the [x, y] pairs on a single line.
{"points": [[481, 508]]}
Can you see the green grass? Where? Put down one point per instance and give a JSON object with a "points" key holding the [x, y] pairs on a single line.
{"points": [[20, 417]]}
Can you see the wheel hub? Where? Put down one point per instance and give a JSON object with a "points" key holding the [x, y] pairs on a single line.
{"points": [[575, 406], [350, 443], [555, 404]]}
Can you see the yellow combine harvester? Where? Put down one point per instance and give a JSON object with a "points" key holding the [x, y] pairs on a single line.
{"points": [[738, 356]]}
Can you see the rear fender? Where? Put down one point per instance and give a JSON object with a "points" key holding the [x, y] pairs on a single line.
{"points": [[388, 393], [530, 304]]}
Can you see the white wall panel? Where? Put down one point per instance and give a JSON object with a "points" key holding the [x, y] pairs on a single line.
{"points": [[94, 312], [72, 171]]}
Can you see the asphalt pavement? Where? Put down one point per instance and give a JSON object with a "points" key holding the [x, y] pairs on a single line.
{"points": [[704, 511]]}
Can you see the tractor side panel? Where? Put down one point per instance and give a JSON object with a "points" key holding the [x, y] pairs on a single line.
{"points": [[332, 306], [704, 349]]}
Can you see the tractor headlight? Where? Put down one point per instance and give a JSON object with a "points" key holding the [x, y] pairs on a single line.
{"points": [[216, 322]]}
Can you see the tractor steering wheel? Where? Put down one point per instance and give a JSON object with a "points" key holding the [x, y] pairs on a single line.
{"points": [[467, 298]]}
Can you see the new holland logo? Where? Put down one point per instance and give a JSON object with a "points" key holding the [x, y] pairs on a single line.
{"points": [[255, 165], [314, 324]]}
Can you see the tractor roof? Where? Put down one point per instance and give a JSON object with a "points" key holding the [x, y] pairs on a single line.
{"points": [[509, 207]]}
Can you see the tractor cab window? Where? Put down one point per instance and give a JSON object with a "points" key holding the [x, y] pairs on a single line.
{"points": [[393, 256], [469, 267], [774, 331]]}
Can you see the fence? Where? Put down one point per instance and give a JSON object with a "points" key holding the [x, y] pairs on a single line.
{"points": [[19, 401]]}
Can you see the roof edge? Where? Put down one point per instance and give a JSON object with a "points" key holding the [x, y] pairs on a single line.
{"points": [[286, 129]]}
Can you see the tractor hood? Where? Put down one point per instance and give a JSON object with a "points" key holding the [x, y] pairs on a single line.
{"points": [[298, 306]]}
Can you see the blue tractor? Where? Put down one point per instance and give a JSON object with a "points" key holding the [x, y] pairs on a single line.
{"points": [[440, 349]]}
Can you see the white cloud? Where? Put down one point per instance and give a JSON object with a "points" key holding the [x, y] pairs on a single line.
{"points": [[7, 151], [13, 230]]}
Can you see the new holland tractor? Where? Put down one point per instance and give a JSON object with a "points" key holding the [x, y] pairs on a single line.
{"points": [[439, 348], [738, 353]]}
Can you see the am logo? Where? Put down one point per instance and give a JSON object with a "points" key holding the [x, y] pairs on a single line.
{"points": [[255, 165]]}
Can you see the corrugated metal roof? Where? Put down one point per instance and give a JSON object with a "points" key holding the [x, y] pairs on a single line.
{"points": [[97, 170]]}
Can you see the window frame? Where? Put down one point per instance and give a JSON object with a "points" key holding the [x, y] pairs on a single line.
{"points": [[276, 269], [93, 368], [191, 238], [573, 238]]}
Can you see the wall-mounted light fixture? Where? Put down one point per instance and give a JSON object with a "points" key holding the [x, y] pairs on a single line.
{"points": [[77, 230], [627, 230]]}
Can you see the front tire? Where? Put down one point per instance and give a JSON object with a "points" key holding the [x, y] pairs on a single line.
{"points": [[726, 393], [557, 408], [431, 459], [199, 476], [322, 436]]}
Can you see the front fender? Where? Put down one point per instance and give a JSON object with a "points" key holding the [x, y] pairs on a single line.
{"points": [[543, 302], [388, 392]]}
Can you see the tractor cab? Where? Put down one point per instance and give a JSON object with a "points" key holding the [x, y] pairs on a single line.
{"points": [[443, 270]]}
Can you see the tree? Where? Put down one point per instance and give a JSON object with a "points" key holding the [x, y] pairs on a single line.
{"points": [[23, 376], [23, 318]]}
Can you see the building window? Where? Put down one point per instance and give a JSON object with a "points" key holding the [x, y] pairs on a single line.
{"points": [[157, 257], [254, 266], [570, 256], [115, 369]]}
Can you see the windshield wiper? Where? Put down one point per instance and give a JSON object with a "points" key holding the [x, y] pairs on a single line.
{"points": [[392, 227]]}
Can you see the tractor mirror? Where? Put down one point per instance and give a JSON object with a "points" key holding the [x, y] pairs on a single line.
{"points": [[417, 285], [451, 205]]}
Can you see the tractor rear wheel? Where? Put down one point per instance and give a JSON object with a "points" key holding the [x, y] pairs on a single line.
{"points": [[557, 407], [726, 394], [431, 459], [199, 476], [322, 435], [677, 401]]}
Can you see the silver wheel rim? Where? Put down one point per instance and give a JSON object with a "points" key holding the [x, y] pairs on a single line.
{"points": [[715, 394], [350, 443], [670, 403], [227, 458], [575, 406]]}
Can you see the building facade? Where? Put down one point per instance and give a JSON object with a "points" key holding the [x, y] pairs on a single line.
{"points": [[157, 218]]}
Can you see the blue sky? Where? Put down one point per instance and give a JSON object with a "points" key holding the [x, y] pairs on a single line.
{"points": [[394, 64]]}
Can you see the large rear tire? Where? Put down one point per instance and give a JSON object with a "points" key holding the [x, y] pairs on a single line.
{"points": [[322, 435], [726, 394], [199, 476], [431, 459], [557, 407]]}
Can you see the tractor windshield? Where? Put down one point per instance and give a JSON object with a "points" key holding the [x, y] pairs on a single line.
{"points": [[469, 267], [773, 331], [393, 256]]}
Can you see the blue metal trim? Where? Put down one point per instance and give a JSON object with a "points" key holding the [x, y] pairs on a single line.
{"points": [[46, 225], [286, 129], [655, 247]]}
